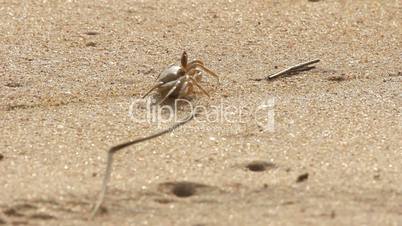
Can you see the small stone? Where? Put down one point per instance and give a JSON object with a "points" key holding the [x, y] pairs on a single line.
{"points": [[90, 44], [302, 177]]}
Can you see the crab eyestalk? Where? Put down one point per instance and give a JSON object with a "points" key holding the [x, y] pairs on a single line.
{"points": [[184, 59]]}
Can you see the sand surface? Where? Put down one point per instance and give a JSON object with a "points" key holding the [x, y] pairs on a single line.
{"points": [[70, 70]]}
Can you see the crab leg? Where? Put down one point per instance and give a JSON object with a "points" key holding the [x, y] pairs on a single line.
{"points": [[197, 64], [196, 61], [170, 91], [184, 89], [156, 86], [194, 80], [199, 86]]}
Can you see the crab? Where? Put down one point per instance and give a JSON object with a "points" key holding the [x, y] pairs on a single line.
{"points": [[179, 81]]}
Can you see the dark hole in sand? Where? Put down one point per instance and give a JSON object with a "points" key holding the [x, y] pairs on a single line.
{"points": [[259, 166], [11, 212], [42, 216], [183, 190], [90, 44], [91, 33], [13, 85], [337, 78]]}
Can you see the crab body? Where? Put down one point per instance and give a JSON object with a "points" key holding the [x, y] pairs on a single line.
{"points": [[173, 72], [178, 81]]}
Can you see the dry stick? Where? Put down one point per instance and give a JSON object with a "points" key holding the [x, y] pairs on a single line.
{"points": [[293, 69], [116, 148]]}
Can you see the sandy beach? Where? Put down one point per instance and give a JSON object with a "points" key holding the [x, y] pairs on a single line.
{"points": [[320, 147]]}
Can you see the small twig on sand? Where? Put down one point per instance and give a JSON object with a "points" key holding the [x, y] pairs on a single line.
{"points": [[294, 69], [291, 70], [116, 148]]}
